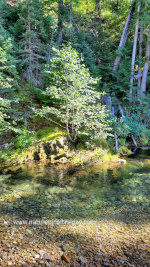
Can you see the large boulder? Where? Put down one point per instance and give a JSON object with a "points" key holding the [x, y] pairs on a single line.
{"points": [[53, 150]]}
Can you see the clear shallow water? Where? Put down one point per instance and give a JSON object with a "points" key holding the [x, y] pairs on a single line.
{"points": [[40, 190]]}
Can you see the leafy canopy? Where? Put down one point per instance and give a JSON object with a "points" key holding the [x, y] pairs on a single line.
{"points": [[78, 103]]}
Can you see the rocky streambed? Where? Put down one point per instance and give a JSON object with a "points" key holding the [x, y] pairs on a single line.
{"points": [[66, 215]]}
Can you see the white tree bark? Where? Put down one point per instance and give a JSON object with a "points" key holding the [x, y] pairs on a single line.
{"points": [[134, 49], [134, 141], [124, 36], [140, 60], [146, 65], [116, 142]]}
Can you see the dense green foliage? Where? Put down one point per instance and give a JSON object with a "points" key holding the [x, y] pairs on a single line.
{"points": [[78, 104], [56, 59], [8, 83]]}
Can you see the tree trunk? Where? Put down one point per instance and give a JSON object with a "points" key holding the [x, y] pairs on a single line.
{"points": [[108, 103], [124, 36], [140, 60], [113, 111], [98, 7], [60, 21], [121, 111], [134, 141], [116, 142], [29, 46], [146, 65], [75, 26], [134, 49]]}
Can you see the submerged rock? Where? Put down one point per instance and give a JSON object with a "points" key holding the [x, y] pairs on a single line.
{"points": [[83, 260], [46, 256]]}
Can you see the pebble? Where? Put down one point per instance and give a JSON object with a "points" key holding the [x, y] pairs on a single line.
{"points": [[106, 264], [42, 252], [98, 259], [42, 262], [65, 258], [83, 260], [64, 248], [46, 256], [29, 231], [37, 256]]}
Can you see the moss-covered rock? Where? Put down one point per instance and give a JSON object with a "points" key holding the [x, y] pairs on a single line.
{"points": [[52, 150], [125, 151]]}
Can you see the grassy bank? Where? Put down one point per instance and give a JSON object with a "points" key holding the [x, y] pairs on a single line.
{"points": [[30, 146]]}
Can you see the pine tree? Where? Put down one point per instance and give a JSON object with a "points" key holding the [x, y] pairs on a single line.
{"points": [[8, 80], [60, 21], [32, 47], [8, 71]]}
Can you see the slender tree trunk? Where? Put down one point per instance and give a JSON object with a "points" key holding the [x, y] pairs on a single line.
{"points": [[121, 111], [60, 21], [25, 119], [75, 26], [134, 49], [134, 141], [124, 36], [29, 45], [108, 103], [98, 7], [140, 60], [116, 142], [146, 65]]}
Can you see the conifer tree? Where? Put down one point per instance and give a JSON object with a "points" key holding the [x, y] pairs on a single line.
{"points": [[8, 80], [60, 21], [8, 72], [32, 48]]}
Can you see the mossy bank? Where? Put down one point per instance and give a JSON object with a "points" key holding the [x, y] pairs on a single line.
{"points": [[50, 143]]}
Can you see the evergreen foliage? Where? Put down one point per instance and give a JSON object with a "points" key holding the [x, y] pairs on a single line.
{"points": [[32, 40], [73, 77]]}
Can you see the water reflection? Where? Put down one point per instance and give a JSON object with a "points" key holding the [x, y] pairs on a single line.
{"points": [[65, 191]]}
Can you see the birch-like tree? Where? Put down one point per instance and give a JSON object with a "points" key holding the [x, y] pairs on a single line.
{"points": [[124, 36], [134, 49], [146, 65], [140, 59]]}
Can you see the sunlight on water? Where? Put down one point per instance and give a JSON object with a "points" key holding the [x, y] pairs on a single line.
{"points": [[65, 191]]}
